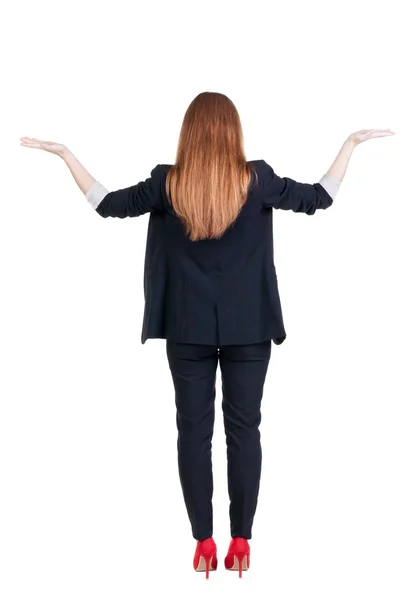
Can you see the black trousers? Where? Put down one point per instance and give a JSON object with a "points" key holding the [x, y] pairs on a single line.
{"points": [[243, 370]]}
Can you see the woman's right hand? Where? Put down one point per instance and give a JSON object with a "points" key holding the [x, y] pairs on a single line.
{"points": [[340, 164], [367, 134]]}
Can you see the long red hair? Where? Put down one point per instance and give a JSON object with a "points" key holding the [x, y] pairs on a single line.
{"points": [[209, 182]]}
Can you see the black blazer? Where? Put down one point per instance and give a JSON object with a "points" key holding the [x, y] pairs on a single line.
{"points": [[213, 291]]}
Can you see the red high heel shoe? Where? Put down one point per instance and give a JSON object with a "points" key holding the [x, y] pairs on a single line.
{"points": [[205, 558], [238, 556]]}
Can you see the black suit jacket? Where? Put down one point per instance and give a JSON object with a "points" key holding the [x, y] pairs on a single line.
{"points": [[213, 291]]}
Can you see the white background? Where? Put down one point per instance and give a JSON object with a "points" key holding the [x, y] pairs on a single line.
{"points": [[90, 504]]}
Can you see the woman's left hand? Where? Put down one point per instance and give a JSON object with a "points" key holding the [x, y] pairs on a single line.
{"points": [[52, 147]]}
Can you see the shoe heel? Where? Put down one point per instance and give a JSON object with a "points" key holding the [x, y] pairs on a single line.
{"points": [[240, 559], [209, 564], [209, 560], [242, 562]]}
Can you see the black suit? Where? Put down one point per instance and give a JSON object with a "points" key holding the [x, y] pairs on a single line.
{"points": [[216, 302], [216, 292]]}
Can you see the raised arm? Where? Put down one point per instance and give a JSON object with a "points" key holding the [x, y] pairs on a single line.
{"points": [[340, 164], [78, 171], [288, 194], [145, 196]]}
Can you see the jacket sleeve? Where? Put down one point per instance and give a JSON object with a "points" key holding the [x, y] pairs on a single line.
{"points": [[132, 201], [288, 194]]}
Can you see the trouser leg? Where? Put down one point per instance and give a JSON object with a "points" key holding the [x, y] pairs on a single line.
{"points": [[243, 370], [193, 368]]}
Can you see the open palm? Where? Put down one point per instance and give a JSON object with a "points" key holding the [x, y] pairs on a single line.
{"points": [[367, 134], [52, 147]]}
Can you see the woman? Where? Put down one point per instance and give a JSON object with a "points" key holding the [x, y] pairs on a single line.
{"points": [[211, 291]]}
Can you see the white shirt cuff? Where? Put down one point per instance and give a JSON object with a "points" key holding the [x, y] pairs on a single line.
{"points": [[95, 194], [330, 184]]}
